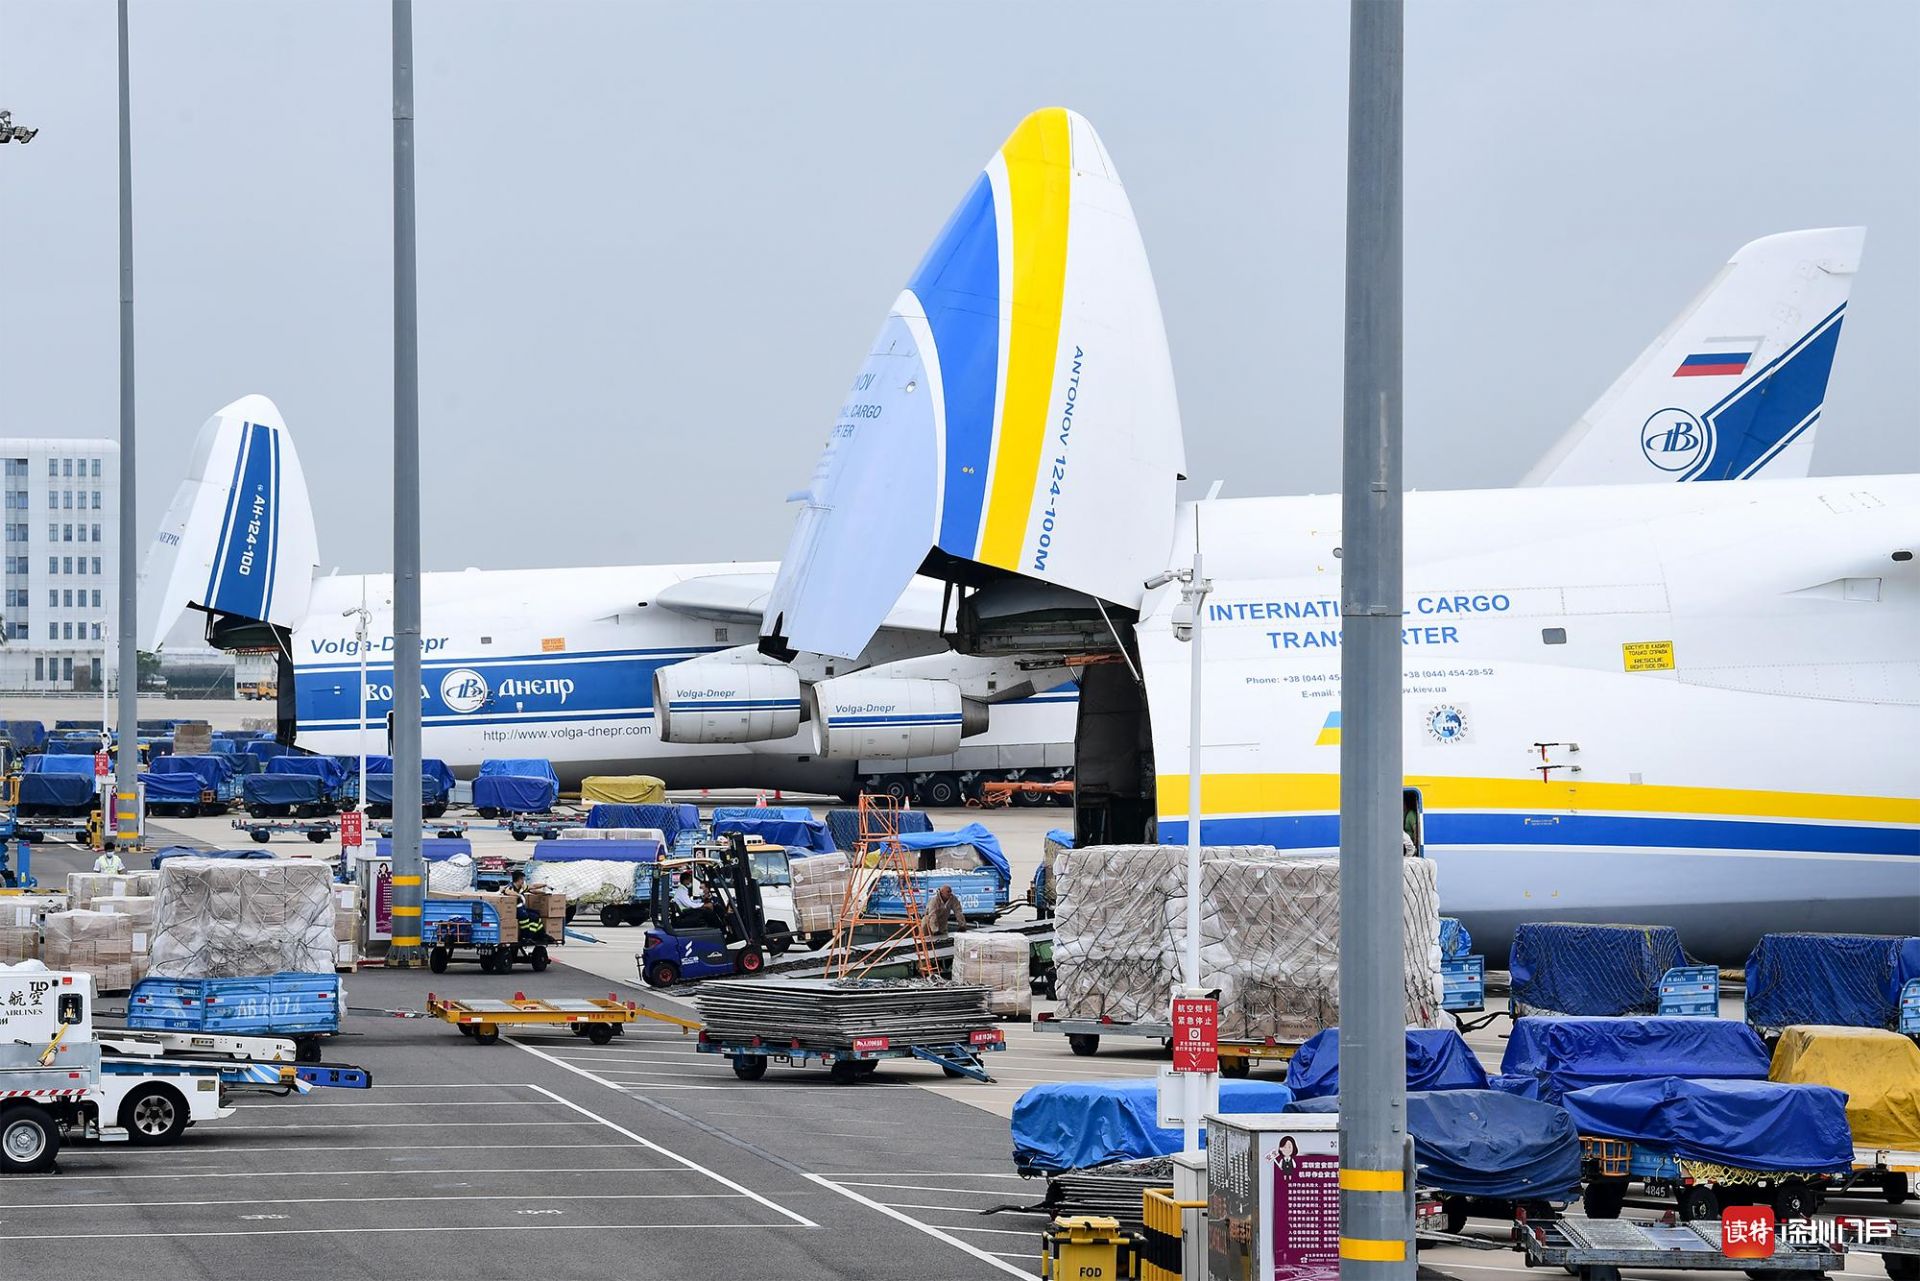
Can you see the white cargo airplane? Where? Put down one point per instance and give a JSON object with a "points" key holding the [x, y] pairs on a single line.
{"points": [[1657, 703]]}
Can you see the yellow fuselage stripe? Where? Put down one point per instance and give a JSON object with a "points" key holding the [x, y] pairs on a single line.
{"points": [[1040, 187], [1320, 793]]}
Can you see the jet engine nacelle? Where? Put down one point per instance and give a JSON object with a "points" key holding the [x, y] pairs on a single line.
{"points": [[891, 717], [719, 700]]}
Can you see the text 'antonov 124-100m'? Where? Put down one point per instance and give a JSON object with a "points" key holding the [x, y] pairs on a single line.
{"points": [[1662, 702]]}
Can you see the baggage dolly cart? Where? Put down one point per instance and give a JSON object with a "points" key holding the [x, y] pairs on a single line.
{"points": [[750, 1055], [599, 1019], [1237, 1058], [1597, 1249], [317, 830]]}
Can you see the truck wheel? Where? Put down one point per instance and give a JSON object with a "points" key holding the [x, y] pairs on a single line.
{"points": [[1902, 1267], [941, 791], [749, 1067], [1793, 1201], [750, 961], [29, 1140], [1237, 1068], [1895, 1191], [437, 960], [1085, 1044], [1698, 1202], [612, 915], [599, 1033], [154, 1114], [844, 1072], [260, 834], [779, 939], [819, 939], [503, 960], [662, 974], [1602, 1198], [539, 960], [306, 1050], [1453, 1215]]}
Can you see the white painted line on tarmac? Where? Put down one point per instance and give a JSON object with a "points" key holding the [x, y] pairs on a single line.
{"points": [[958, 1209], [397, 1172], [305, 1105], [392, 1125], [926, 1187], [649, 1144], [241, 1150], [939, 1234], [360, 1231], [854, 1175], [412, 1199], [1004, 1232]]}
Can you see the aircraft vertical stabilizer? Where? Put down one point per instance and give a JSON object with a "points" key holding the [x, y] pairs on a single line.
{"points": [[239, 538], [1016, 412], [1733, 388]]}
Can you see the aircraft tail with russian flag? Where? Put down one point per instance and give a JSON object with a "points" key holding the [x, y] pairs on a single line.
{"points": [[1734, 387]]}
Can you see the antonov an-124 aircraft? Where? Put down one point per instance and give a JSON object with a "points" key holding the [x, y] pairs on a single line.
{"points": [[1683, 702]]}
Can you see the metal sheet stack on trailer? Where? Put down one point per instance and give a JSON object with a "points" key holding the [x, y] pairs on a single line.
{"points": [[849, 1026]]}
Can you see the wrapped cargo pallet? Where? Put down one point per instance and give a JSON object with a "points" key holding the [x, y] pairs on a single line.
{"points": [[346, 926], [629, 789], [20, 918], [452, 873], [819, 891], [1572, 967], [583, 879], [998, 962], [241, 918], [84, 887], [1270, 937], [139, 910], [96, 943]]}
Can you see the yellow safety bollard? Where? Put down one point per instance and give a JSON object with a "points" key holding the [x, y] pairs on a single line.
{"points": [[1088, 1248]]}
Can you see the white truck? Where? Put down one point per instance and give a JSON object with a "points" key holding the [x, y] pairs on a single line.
{"points": [[49, 1062]]}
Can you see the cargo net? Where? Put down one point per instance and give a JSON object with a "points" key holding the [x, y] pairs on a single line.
{"points": [[588, 881], [240, 918], [1269, 937], [1569, 968]]}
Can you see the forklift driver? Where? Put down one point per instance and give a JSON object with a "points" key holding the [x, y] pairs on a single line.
{"points": [[690, 910]]}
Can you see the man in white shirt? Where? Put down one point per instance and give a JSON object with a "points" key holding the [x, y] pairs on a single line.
{"points": [[690, 911], [109, 864]]}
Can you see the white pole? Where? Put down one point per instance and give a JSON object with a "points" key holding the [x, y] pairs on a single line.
{"points": [[361, 633], [1195, 592]]}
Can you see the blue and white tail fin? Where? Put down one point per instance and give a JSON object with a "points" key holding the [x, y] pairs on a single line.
{"points": [[1016, 413], [239, 538], [1733, 388]]}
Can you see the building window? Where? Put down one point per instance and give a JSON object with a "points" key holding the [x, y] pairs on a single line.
{"points": [[96, 533], [66, 499], [53, 598], [53, 466], [66, 533], [96, 598], [66, 466], [66, 631], [96, 634], [69, 600], [68, 562], [66, 665], [96, 469], [53, 631], [53, 533], [53, 564], [96, 564], [96, 500], [39, 666]]}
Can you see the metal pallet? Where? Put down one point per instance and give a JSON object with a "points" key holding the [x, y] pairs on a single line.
{"points": [[1596, 1249]]}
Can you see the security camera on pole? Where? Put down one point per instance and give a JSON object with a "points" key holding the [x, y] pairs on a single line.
{"points": [[1195, 1016]]}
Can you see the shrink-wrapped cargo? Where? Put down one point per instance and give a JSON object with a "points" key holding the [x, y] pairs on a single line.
{"points": [[819, 891], [998, 962], [241, 918], [96, 943]]}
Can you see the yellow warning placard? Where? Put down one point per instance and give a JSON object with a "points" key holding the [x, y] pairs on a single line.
{"points": [[556, 644], [1648, 656]]}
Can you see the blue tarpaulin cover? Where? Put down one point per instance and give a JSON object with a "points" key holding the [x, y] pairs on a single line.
{"points": [[1075, 1124], [1437, 1059], [665, 818], [845, 825], [799, 812], [563, 851], [1849, 980], [1571, 968], [1547, 1058], [158, 747], [380, 789], [519, 767], [1753, 1125], [1455, 941], [26, 736], [211, 771], [58, 791], [434, 849], [44, 764], [809, 833], [1060, 836], [171, 789], [325, 768], [429, 768], [515, 793], [80, 745], [181, 851], [264, 749], [972, 834], [283, 789], [1484, 1143]]}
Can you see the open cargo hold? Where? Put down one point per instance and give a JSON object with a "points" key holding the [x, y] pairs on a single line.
{"points": [[1270, 937], [1437, 1059], [1482, 1143], [844, 824], [1546, 1058], [1849, 980], [242, 918], [1561, 967], [774, 829], [1072, 1125], [1748, 1125], [1877, 1070], [517, 785], [1000, 962], [627, 789]]}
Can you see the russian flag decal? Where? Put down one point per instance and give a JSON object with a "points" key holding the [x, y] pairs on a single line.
{"points": [[1710, 364]]}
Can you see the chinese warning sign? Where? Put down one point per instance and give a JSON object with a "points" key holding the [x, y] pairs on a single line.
{"points": [[102, 765], [1196, 1035], [351, 831]]}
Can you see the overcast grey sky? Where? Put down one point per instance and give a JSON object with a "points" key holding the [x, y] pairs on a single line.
{"points": [[654, 238]]}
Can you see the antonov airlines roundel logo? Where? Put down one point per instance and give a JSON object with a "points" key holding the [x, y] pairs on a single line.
{"points": [[1674, 440], [463, 690]]}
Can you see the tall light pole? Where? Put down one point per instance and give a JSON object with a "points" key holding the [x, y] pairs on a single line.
{"points": [[409, 892], [1187, 620], [1376, 1208], [127, 773]]}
